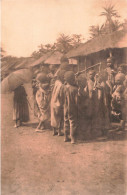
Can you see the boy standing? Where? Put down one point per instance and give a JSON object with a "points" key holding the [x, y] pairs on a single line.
{"points": [[70, 107], [57, 102], [118, 99], [43, 97]]}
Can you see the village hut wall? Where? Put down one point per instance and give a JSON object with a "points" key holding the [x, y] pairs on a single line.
{"points": [[100, 48], [119, 54]]}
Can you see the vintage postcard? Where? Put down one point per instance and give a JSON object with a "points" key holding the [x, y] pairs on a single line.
{"points": [[63, 97]]}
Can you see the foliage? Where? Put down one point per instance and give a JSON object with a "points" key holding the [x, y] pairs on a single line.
{"points": [[111, 23], [77, 39], [63, 44], [96, 30], [124, 25], [109, 12]]}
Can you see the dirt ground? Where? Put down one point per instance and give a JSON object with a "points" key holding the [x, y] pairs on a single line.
{"points": [[40, 164]]}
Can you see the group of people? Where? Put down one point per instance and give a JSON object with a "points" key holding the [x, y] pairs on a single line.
{"points": [[80, 103]]}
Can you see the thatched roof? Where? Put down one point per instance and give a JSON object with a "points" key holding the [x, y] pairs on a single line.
{"points": [[54, 58], [41, 59], [116, 39]]}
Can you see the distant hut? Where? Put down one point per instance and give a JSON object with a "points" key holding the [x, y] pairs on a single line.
{"points": [[55, 60], [39, 63], [100, 48]]}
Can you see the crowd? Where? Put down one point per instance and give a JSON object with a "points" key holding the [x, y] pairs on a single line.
{"points": [[74, 102]]}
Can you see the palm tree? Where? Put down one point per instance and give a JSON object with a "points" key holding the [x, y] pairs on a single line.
{"points": [[42, 49], [48, 47], [63, 43], [125, 25], [96, 30], [110, 13], [77, 39], [117, 25]]}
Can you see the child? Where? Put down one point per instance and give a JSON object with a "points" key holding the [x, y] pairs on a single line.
{"points": [[97, 106], [43, 97], [90, 102], [70, 107], [83, 109], [102, 105], [118, 99], [111, 72], [57, 102]]}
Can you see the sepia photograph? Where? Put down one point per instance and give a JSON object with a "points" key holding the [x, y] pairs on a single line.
{"points": [[63, 97]]}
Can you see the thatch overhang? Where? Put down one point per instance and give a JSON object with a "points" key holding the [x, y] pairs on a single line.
{"points": [[41, 59], [116, 39], [54, 58]]}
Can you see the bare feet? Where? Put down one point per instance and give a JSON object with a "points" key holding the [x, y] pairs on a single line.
{"points": [[39, 130], [42, 126], [15, 126], [60, 134], [67, 139], [73, 141], [55, 133]]}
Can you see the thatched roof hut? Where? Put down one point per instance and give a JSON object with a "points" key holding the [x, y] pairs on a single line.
{"points": [[99, 48], [41, 59], [54, 58], [116, 39]]}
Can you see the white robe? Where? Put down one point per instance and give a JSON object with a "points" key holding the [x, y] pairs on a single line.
{"points": [[57, 104]]}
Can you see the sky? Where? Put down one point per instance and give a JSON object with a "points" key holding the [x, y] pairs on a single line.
{"points": [[28, 23]]}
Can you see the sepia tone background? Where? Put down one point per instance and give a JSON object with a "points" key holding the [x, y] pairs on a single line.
{"points": [[41, 21], [39, 163]]}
